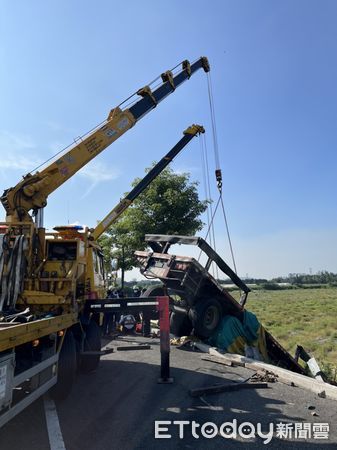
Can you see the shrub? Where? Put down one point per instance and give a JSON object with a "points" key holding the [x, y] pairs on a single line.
{"points": [[269, 286]]}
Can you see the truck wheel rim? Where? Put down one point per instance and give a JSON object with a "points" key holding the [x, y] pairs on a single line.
{"points": [[211, 318]]}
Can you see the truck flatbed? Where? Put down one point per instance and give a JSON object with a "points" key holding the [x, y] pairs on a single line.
{"points": [[191, 280], [14, 334]]}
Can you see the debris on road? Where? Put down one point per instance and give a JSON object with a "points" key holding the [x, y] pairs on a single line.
{"points": [[285, 376], [184, 341], [126, 348], [264, 375], [216, 360]]}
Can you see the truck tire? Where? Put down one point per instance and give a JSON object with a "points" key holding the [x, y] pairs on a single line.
{"points": [[154, 291], [92, 342], [180, 324], [205, 316], [66, 368]]}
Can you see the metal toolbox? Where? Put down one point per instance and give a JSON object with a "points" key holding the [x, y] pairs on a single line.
{"points": [[7, 363]]}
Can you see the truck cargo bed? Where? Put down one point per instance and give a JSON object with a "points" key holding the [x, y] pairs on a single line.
{"points": [[186, 277]]}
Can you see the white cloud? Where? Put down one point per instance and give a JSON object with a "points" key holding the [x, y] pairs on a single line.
{"points": [[17, 152], [56, 147], [53, 125], [15, 162], [97, 172], [58, 127], [189, 169], [17, 141]]}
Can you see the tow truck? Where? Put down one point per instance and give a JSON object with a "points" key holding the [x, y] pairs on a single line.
{"points": [[47, 278]]}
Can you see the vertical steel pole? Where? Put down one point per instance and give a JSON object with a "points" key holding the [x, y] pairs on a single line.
{"points": [[123, 270], [164, 325]]}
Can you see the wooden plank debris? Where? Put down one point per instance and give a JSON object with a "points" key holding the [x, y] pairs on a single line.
{"points": [[283, 375], [126, 348], [214, 359]]}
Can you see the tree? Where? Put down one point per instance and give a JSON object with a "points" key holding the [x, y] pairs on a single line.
{"points": [[170, 205]]}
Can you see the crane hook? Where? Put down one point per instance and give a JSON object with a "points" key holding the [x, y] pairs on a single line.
{"points": [[218, 177]]}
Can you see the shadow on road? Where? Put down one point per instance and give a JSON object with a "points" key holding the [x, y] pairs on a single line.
{"points": [[124, 401]]}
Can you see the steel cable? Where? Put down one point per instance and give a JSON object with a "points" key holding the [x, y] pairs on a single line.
{"points": [[217, 161]]}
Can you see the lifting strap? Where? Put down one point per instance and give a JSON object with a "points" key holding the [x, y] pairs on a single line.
{"points": [[12, 268]]}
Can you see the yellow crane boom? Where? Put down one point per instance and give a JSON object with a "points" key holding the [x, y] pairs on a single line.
{"points": [[32, 191], [114, 214]]}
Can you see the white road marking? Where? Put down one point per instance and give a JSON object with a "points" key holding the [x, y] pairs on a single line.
{"points": [[53, 425]]}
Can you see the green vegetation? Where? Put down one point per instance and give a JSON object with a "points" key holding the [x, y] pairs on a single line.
{"points": [[322, 277], [301, 316], [169, 205]]}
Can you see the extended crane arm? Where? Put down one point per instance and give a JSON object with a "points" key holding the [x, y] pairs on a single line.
{"points": [[32, 192], [189, 134]]}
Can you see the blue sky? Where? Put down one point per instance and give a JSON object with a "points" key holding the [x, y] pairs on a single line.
{"points": [[274, 68]]}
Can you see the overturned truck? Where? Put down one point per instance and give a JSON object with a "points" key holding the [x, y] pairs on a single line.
{"points": [[201, 304]]}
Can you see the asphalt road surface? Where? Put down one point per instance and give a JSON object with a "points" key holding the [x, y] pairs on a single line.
{"points": [[116, 408]]}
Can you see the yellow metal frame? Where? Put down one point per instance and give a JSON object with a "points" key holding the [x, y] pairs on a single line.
{"points": [[12, 335], [34, 190]]}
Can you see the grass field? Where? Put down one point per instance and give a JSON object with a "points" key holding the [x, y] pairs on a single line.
{"points": [[307, 317]]}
